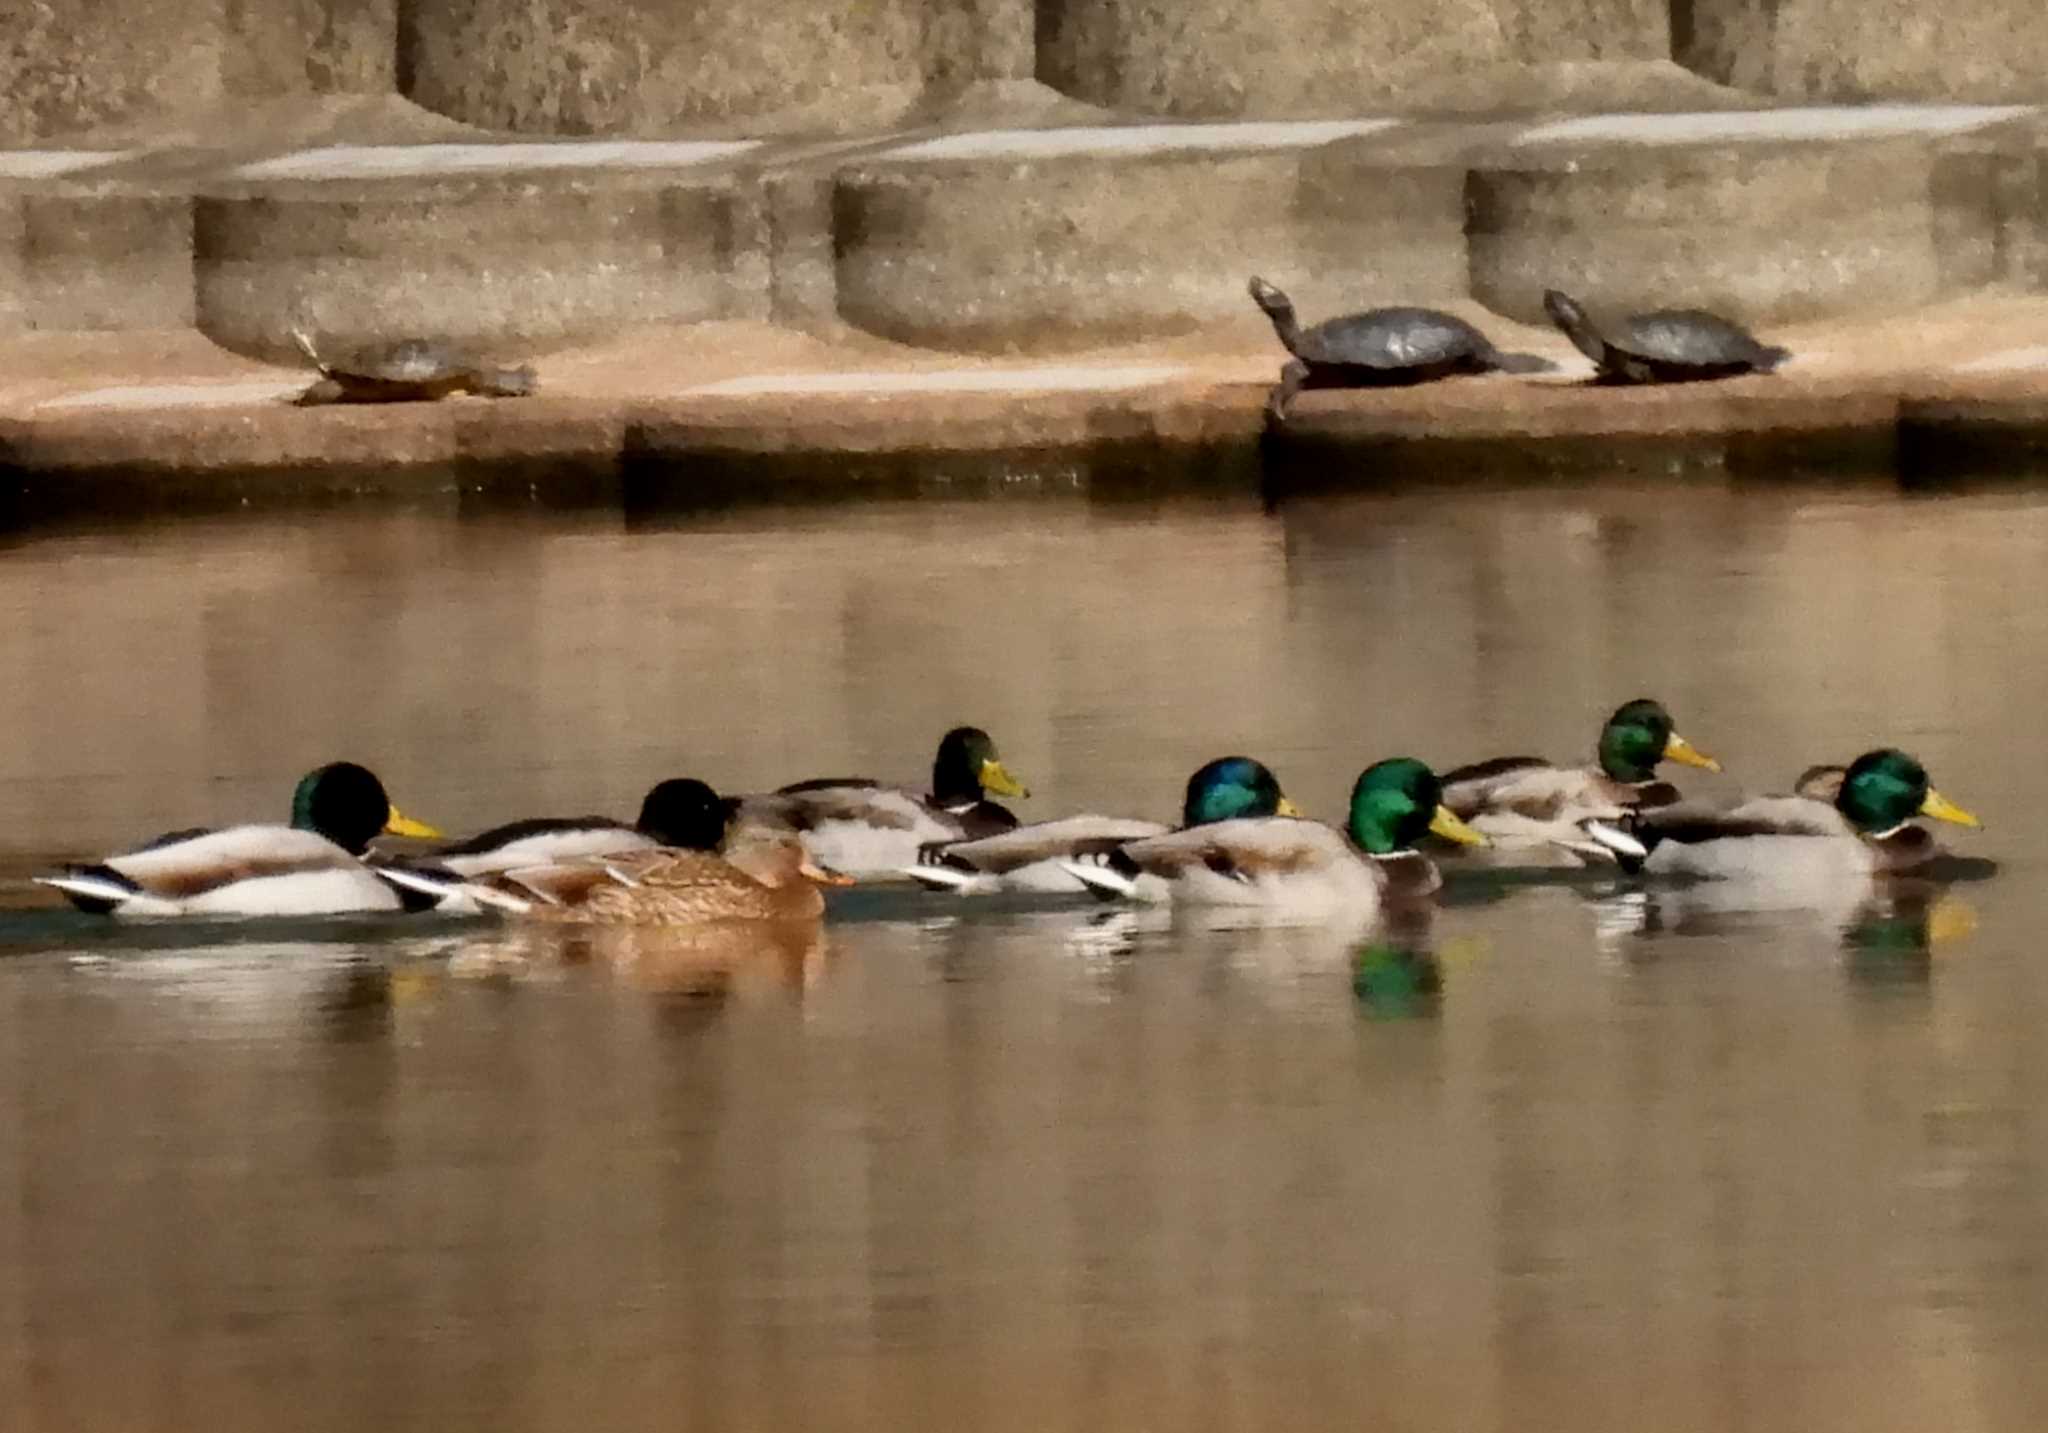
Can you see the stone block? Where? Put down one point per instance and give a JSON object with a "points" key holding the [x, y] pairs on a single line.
{"points": [[998, 253], [106, 260], [1977, 50], [1316, 57], [507, 263], [650, 66], [1760, 231], [72, 67]]}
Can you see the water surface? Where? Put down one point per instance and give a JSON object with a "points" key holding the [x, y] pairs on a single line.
{"points": [[1013, 1164]]}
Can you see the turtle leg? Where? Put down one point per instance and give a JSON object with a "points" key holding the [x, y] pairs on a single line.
{"points": [[1292, 376]]}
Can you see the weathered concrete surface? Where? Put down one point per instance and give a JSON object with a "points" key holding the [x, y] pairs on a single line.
{"points": [[1778, 232], [1985, 50], [1003, 251], [1318, 57], [715, 409], [369, 217], [500, 263], [68, 67], [635, 67]]}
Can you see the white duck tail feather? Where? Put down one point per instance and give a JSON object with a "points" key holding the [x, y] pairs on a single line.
{"points": [[1612, 840], [944, 878], [1101, 879], [126, 899]]}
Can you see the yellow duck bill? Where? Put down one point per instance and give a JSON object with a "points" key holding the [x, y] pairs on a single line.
{"points": [[397, 823], [1939, 808], [1678, 749], [1447, 825]]}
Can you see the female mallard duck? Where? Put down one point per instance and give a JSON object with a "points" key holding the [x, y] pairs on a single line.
{"points": [[865, 829], [1536, 811], [311, 867], [1036, 857], [761, 876], [1866, 830], [1303, 867]]}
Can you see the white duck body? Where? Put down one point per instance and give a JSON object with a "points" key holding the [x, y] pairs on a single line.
{"points": [[1034, 858], [254, 870], [1279, 863]]}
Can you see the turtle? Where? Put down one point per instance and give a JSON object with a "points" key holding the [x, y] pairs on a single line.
{"points": [[1668, 346], [407, 370], [1380, 347]]}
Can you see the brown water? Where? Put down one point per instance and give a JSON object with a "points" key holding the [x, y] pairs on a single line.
{"points": [[1003, 1165]]}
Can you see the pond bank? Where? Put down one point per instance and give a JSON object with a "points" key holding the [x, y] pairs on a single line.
{"points": [[168, 422]]}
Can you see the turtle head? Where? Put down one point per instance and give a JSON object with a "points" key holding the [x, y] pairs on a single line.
{"points": [[967, 767], [347, 804], [1230, 787], [1638, 736], [1570, 316], [1277, 307], [685, 813], [1396, 803], [1269, 298], [1884, 789]]}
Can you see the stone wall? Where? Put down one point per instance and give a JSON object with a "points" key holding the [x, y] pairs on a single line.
{"points": [[643, 67], [68, 66]]}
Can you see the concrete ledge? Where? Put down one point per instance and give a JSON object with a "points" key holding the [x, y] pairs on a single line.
{"points": [[746, 412], [1040, 240], [1744, 213], [504, 264]]}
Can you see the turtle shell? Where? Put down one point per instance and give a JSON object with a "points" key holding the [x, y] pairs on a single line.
{"points": [[1394, 338], [1692, 337], [409, 360]]}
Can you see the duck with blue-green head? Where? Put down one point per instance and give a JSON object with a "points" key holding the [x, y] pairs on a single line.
{"points": [[1300, 868], [1539, 813], [1043, 856]]}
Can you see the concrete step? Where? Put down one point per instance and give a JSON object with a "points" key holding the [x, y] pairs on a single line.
{"points": [[1017, 239]]}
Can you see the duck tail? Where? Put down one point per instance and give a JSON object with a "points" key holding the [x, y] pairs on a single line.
{"points": [[1101, 880], [447, 892], [96, 889]]}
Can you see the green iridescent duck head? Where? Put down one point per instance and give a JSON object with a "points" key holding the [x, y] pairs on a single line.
{"points": [[1231, 787], [1638, 736], [1395, 803], [1884, 789], [967, 767], [346, 803]]}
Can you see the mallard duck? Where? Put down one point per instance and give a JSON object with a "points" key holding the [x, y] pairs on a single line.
{"points": [[681, 813], [1299, 866], [761, 875], [1036, 857], [1867, 830], [1539, 812], [311, 867], [864, 829]]}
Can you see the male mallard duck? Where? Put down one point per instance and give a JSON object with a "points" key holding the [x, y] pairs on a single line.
{"points": [[1298, 866], [681, 813], [863, 828], [762, 875], [1866, 830], [1034, 857], [311, 867], [1535, 810]]}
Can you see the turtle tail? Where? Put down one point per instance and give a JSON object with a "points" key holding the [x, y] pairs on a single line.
{"points": [[1770, 356]]}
